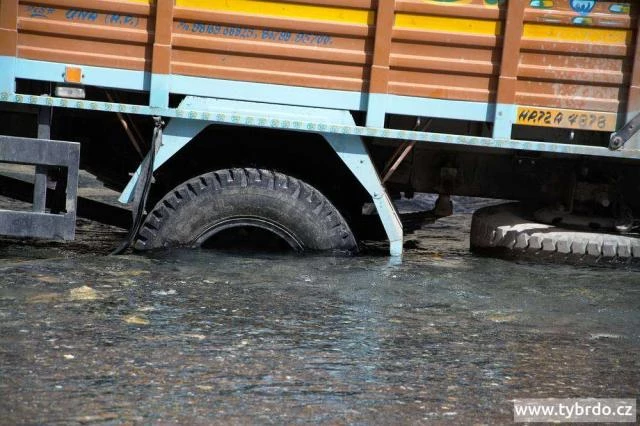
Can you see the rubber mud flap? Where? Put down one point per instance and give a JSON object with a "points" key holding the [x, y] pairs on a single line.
{"points": [[213, 202]]}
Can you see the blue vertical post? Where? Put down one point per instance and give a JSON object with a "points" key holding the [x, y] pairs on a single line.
{"points": [[376, 110], [161, 62], [354, 154], [503, 122], [507, 81], [7, 75]]}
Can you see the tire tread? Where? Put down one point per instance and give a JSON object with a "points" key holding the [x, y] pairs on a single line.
{"points": [[152, 233], [504, 227]]}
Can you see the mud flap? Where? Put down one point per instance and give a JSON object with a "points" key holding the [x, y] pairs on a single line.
{"points": [[143, 185]]}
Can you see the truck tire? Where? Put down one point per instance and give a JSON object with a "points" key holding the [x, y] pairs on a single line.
{"points": [[505, 228], [243, 198]]}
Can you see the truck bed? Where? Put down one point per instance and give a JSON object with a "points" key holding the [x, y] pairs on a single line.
{"points": [[546, 63]]}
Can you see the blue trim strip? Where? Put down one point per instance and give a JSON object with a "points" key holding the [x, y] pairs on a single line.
{"points": [[274, 94], [314, 126], [440, 108], [377, 104], [268, 93], [93, 76]]}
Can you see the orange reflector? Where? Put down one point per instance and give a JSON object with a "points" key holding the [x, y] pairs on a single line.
{"points": [[73, 75]]}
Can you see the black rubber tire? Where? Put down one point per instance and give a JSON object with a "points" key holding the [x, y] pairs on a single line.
{"points": [[215, 201], [505, 228]]}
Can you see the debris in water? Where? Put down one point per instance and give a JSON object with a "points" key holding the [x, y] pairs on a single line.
{"points": [[164, 292], [44, 298], [83, 293], [136, 319]]}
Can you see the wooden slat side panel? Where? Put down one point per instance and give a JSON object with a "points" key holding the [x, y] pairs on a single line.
{"points": [[327, 45], [447, 51], [8, 29], [577, 55], [480, 9], [442, 85], [592, 97], [104, 53], [123, 7], [293, 72], [103, 33], [423, 56], [575, 68]]}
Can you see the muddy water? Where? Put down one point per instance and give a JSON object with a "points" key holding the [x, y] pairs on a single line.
{"points": [[204, 337]]}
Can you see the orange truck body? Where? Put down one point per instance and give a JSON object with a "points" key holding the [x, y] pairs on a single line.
{"points": [[563, 63]]}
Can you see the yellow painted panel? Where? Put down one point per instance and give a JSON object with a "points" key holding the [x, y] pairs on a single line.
{"points": [[566, 118], [448, 24], [285, 10], [577, 34]]}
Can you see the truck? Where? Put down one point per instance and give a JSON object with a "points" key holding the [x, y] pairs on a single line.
{"points": [[304, 120]]}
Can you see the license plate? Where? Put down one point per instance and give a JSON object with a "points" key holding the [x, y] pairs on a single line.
{"points": [[567, 119]]}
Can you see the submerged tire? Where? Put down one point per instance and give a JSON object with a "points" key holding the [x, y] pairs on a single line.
{"points": [[243, 198], [504, 228]]}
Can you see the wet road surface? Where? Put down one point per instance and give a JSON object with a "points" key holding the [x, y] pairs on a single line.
{"points": [[201, 337]]}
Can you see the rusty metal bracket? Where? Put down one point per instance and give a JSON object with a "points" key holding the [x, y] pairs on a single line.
{"points": [[622, 136], [402, 151], [398, 157], [130, 128]]}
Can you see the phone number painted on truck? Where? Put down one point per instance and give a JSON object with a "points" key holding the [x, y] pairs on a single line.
{"points": [[567, 119], [255, 34]]}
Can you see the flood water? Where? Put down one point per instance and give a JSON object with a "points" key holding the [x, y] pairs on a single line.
{"points": [[201, 337]]}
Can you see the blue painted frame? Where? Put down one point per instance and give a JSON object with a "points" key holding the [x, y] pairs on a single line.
{"points": [[265, 120], [350, 148]]}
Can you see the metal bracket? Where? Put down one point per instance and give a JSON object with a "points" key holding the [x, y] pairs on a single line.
{"points": [[354, 154], [43, 153], [622, 136]]}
